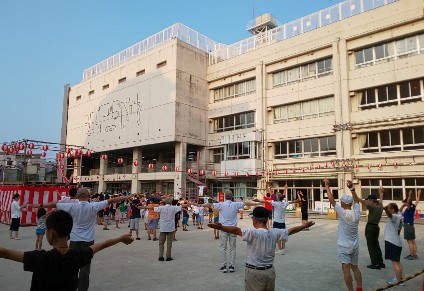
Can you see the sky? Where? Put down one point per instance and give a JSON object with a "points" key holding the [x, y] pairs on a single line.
{"points": [[45, 44]]}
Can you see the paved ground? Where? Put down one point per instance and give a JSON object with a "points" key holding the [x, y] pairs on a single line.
{"points": [[309, 264]]}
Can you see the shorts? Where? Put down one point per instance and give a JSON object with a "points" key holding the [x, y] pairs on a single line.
{"points": [[113, 211], [100, 213], [392, 252], [195, 215], [409, 231], [185, 220], [348, 255], [279, 225], [200, 218], [40, 231], [216, 220], [134, 223], [152, 223], [269, 214], [16, 223]]}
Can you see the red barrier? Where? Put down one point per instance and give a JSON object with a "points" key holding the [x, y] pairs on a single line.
{"points": [[31, 195]]}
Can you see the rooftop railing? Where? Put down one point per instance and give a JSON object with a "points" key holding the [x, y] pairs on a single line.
{"points": [[313, 21], [177, 30]]}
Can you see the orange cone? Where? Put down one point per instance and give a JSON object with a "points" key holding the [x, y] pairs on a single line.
{"points": [[417, 215]]}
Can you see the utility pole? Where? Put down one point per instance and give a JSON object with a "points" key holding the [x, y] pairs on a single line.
{"points": [[25, 163]]}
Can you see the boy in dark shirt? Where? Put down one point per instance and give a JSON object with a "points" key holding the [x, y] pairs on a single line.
{"points": [[58, 268]]}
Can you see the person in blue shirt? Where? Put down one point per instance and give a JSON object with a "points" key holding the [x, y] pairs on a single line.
{"points": [[408, 219]]}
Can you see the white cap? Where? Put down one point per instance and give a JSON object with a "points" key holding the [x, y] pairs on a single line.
{"points": [[347, 199]]}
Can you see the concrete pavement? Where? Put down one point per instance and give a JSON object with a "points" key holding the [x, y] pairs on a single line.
{"points": [[310, 262]]}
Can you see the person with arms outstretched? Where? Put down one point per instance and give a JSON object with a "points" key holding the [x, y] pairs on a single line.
{"points": [[409, 229]]}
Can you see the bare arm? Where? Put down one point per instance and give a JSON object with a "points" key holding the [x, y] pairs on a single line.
{"points": [[355, 196], [296, 229], [418, 198], [409, 200], [381, 192], [118, 199], [259, 200], [12, 255], [285, 190], [330, 193], [389, 215], [230, 229], [251, 203], [126, 239], [47, 205]]}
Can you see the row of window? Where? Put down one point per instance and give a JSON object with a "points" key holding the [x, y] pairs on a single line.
{"points": [[395, 189], [312, 147], [304, 110], [235, 90], [234, 121], [236, 151], [405, 47], [124, 79], [393, 94], [309, 71], [394, 140]]}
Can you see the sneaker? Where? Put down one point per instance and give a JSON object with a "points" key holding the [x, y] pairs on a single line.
{"points": [[231, 269], [283, 252], [278, 252], [382, 265], [375, 267], [169, 259], [138, 238], [161, 259], [223, 269], [155, 239], [18, 238], [149, 238], [408, 257], [395, 281], [413, 257]]}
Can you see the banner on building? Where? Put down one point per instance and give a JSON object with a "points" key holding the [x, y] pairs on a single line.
{"points": [[30, 195]]}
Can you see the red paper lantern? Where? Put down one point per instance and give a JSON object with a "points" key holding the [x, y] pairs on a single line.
{"points": [[31, 146], [4, 147], [201, 172], [45, 147], [135, 163], [214, 173], [235, 173], [43, 154], [247, 174], [286, 171], [319, 167], [257, 173], [120, 161], [276, 172], [368, 166], [68, 151], [395, 164], [88, 153], [21, 146], [61, 166], [164, 168], [226, 173], [379, 166], [311, 167], [29, 153], [177, 169], [150, 166], [104, 157], [11, 150], [16, 146], [294, 170], [190, 171]]}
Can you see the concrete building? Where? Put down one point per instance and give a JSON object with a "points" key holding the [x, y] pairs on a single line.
{"points": [[336, 94]]}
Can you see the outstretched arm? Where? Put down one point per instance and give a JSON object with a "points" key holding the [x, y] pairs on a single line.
{"points": [[355, 196], [230, 229], [330, 193], [46, 205], [118, 199], [381, 192], [296, 229], [12, 255], [126, 239]]}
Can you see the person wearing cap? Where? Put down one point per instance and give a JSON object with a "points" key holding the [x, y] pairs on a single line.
{"points": [[409, 229], [228, 217], [84, 214], [261, 243], [347, 239], [372, 230]]}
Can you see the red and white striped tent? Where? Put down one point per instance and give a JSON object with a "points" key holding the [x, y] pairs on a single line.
{"points": [[30, 195]]}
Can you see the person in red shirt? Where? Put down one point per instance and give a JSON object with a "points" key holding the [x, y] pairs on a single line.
{"points": [[268, 206]]}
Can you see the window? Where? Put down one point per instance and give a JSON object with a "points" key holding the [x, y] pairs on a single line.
{"points": [[161, 64], [91, 93], [404, 47], [235, 90], [78, 97], [395, 189], [409, 91], [304, 110], [140, 73], [218, 155], [241, 150], [404, 139], [105, 86], [235, 121], [312, 147], [122, 80], [308, 71]]}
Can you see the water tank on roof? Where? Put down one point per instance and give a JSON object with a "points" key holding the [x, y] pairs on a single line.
{"points": [[262, 23]]}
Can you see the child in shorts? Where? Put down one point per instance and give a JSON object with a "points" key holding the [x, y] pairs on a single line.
{"points": [[49, 267], [40, 229], [186, 216], [216, 220]]}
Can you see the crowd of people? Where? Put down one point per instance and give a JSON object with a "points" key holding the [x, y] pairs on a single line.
{"points": [[75, 217]]}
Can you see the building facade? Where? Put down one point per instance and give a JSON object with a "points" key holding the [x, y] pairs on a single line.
{"points": [[336, 94]]}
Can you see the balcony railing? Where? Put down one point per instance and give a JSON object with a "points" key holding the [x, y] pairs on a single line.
{"points": [[299, 26]]}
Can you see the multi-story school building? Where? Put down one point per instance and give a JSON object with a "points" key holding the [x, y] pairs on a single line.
{"points": [[336, 94]]}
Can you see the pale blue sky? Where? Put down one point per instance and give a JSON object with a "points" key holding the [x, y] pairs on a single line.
{"points": [[45, 44]]}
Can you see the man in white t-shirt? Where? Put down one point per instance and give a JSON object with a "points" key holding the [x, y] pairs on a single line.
{"points": [[280, 207], [84, 214], [261, 242], [16, 210], [347, 239]]}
